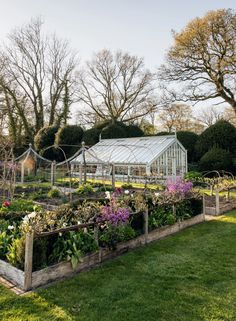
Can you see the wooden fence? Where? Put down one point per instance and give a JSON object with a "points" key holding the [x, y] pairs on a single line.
{"points": [[28, 279]]}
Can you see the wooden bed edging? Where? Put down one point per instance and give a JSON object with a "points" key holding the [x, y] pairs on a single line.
{"points": [[222, 209], [64, 269], [12, 274]]}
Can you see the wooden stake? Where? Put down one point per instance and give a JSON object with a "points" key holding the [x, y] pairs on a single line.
{"points": [[145, 227], [29, 241], [217, 203], [113, 176]]}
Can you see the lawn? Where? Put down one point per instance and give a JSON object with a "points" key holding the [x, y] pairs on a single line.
{"points": [[190, 276]]}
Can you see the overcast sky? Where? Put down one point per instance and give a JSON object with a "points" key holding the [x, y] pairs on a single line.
{"points": [[141, 27]]}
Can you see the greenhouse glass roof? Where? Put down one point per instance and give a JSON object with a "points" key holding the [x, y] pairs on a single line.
{"points": [[138, 151]]}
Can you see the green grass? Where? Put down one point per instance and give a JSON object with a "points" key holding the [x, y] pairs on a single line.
{"points": [[190, 276], [208, 192], [108, 182]]}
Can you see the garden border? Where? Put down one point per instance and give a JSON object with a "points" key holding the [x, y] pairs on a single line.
{"points": [[30, 280]]}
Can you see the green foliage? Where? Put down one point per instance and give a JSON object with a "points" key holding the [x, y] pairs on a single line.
{"points": [[71, 246], [5, 241], [69, 135], [113, 131], [45, 138], [88, 211], [120, 130], [34, 178], [216, 159], [12, 216], [110, 129], [39, 196], [127, 186], [17, 209], [102, 125], [91, 136], [40, 250], [16, 253], [184, 210], [190, 276], [106, 188], [161, 216], [192, 176], [164, 133], [112, 235], [54, 193], [221, 135], [188, 140], [134, 131], [85, 189], [196, 206]]}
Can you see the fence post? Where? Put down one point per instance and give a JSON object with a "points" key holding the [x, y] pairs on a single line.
{"points": [[217, 203], [203, 205], [113, 176], [53, 166], [145, 227], [29, 241], [22, 172], [174, 210], [95, 231], [80, 174]]}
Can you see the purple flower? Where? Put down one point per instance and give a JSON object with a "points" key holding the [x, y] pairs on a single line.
{"points": [[178, 186], [115, 215], [118, 191]]}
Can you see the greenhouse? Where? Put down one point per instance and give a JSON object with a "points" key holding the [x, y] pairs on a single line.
{"points": [[153, 157]]}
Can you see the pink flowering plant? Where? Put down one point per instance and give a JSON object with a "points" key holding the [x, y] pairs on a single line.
{"points": [[177, 190], [178, 186], [115, 219], [113, 213]]}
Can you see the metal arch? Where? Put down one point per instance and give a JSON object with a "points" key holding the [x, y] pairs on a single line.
{"points": [[209, 172], [94, 155], [29, 150], [70, 158]]}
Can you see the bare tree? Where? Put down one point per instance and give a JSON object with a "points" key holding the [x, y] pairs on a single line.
{"points": [[7, 168], [116, 87], [202, 60], [229, 115], [175, 116], [209, 116], [37, 72]]}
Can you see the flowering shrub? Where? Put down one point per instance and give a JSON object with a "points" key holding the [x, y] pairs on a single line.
{"points": [[8, 232], [6, 204], [178, 186], [115, 215], [17, 206]]}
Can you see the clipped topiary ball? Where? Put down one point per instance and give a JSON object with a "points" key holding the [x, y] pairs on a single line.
{"points": [[91, 136], [216, 159], [44, 139], [113, 131]]}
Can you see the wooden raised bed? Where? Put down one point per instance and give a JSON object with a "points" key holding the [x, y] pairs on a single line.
{"points": [[216, 205], [30, 280]]}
